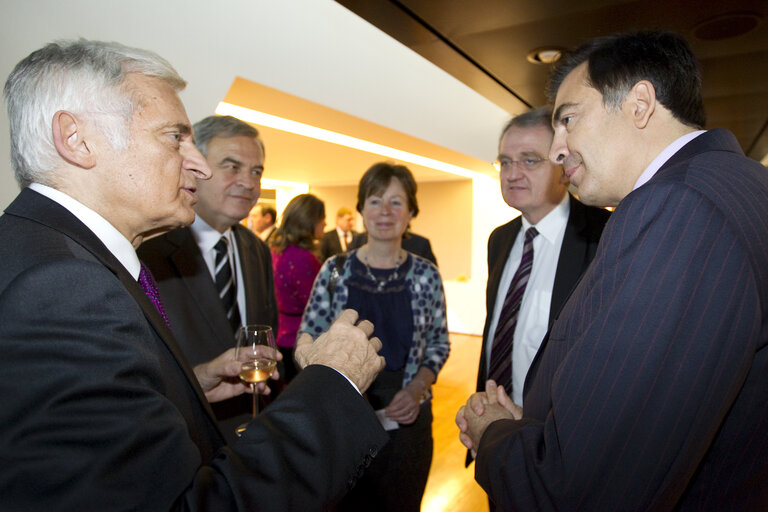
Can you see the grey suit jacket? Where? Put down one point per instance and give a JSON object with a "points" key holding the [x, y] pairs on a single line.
{"points": [[100, 410], [194, 310]]}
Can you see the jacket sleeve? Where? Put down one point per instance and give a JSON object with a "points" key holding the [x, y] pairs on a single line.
{"points": [[92, 402]]}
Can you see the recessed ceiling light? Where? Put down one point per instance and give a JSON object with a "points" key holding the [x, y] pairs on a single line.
{"points": [[544, 55], [727, 25]]}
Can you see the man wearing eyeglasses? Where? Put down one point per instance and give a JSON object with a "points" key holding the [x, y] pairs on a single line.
{"points": [[536, 259]]}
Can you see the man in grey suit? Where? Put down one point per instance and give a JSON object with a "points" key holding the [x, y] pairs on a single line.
{"points": [[99, 408], [568, 234], [184, 262]]}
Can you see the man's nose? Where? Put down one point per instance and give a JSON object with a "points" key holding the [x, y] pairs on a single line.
{"points": [[194, 161], [558, 151]]}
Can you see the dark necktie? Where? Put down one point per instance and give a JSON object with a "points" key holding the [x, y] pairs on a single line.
{"points": [[225, 284], [500, 368], [149, 286]]}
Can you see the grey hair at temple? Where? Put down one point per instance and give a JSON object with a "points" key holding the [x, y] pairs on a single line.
{"points": [[78, 76], [541, 116], [224, 127]]}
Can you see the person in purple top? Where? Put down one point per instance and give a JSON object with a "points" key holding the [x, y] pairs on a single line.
{"points": [[295, 265]]}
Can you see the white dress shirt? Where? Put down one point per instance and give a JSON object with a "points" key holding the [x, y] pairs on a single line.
{"points": [[206, 238], [533, 317], [115, 242], [342, 238]]}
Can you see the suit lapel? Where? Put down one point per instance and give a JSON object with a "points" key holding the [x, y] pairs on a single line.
{"points": [[47, 212], [570, 261], [193, 272], [249, 261]]}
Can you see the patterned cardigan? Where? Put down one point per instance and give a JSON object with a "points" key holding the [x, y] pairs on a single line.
{"points": [[430, 346]]}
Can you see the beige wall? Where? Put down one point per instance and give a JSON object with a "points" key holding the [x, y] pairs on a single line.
{"points": [[335, 198], [445, 218]]}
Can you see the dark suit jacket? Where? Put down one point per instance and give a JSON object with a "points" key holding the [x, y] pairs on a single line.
{"points": [[194, 309], [411, 242], [651, 390], [330, 245], [99, 409], [582, 234]]}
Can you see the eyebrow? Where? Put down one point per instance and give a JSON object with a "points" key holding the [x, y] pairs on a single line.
{"points": [[229, 159], [183, 128], [523, 154], [556, 117]]}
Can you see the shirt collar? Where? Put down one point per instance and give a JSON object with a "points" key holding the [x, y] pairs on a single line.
{"points": [[205, 236], [665, 155], [552, 223], [115, 242]]}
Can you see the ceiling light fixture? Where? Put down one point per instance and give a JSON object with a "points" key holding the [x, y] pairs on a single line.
{"points": [[279, 123], [544, 55], [727, 25]]}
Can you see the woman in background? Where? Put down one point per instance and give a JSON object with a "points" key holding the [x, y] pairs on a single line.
{"points": [[402, 294], [295, 264]]}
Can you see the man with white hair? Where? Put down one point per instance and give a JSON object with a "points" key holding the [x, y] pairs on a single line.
{"points": [[99, 409]]}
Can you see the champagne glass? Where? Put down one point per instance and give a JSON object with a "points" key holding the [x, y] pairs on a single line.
{"points": [[257, 352]]}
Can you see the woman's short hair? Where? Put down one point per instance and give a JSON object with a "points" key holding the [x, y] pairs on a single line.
{"points": [[298, 222], [378, 177]]}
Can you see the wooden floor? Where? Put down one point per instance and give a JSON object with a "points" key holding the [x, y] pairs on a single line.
{"points": [[451, 486]]}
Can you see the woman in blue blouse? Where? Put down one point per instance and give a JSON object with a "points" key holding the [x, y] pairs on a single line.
{"points": [[402, 294]]}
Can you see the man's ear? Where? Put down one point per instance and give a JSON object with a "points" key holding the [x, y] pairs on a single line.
{"points": [[69, 140], [641, 103]]}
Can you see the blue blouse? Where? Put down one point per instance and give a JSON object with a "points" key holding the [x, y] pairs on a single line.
{"points": [[385, 300]]}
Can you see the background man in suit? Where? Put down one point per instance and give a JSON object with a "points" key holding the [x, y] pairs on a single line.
{"points": [[337, 240], [650, 392], [205, 310], [99, 408], [262, 221], [413, 243], [568, 234]]}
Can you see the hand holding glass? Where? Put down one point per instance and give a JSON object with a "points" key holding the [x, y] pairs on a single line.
{"points": [[257, 352]]}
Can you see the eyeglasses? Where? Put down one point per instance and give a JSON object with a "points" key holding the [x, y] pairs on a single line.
{"points": [[528, 163]]}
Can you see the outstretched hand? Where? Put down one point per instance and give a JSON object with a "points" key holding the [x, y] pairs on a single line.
{"points": [[220, 379], [346, 348]]}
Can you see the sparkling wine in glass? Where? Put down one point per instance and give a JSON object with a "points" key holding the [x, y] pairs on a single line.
{"points": [[257, 353]]}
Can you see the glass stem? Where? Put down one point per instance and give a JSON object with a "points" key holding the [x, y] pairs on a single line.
{"points": [[255, 400]]}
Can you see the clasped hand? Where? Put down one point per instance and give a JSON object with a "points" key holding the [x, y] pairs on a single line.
{"points": [[482, 409]]}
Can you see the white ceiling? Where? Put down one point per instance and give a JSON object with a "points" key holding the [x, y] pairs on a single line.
{"points": [[314, 49]]}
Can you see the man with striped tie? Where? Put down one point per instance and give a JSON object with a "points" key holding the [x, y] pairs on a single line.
{"points": [[216, 274], [534, 260]]}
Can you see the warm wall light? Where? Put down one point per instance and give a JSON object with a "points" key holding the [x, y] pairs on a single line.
{"points": [[279, 123], [269, 183]]}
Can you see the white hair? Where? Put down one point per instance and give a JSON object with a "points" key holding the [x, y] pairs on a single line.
{"points": [[82, 77]]}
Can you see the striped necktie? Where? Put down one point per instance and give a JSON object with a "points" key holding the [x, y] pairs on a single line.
{"points": [[225, 283], [500, 368]]}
